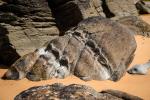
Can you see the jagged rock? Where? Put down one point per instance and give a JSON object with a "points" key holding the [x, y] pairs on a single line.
{"points": [[142, 7], [118, 9], [69, 13], [29, 24], [58, 91], [136, 24], [98, 49]]}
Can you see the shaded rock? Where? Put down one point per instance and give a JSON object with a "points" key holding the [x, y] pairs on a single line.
{"points": [[97, 49], [118, 9], [69, 13], [72, 92], [29, 24], [142, 7], [136, 24]]}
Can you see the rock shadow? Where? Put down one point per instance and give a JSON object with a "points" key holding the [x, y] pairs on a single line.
{"points": [[8, 54], [66, 13]]}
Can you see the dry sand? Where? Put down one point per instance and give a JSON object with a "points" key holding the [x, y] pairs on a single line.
{"points": [[134, 84]]}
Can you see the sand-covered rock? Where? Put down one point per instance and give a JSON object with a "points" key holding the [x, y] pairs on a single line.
{"points": [[58, 91], [97, 49]]}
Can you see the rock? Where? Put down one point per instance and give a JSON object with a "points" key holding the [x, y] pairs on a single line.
{"points": [[58, 91], [140, 69], [119, 9], [29, 24], [69, 13], [97, 49], [136, 24], [142, 7], [120, 94]]}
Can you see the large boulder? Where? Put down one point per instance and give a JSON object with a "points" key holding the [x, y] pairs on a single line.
{"points": [[58, 91], [25, 25], [97, 49]]}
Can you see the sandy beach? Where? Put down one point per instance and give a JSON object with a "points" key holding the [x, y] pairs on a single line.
{"points": [[134, 84]]}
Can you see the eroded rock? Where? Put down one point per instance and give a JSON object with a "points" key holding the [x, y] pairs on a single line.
{"points": [[69, 13], [29, 24], [136, 24], [119, 9], [97, 49], [142, 7], [58, 91]]}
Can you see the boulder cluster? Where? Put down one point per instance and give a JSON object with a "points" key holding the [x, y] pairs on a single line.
{"points": [[27, 24], [91, 39]]}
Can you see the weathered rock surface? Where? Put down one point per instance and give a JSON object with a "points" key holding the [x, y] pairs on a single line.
{"points": [[27, 24], [142, 7], [136, 24], [97, 49], [58, 91], [119, 9], [69, 13]]}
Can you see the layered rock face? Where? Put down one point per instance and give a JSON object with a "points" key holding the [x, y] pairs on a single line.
{"points": [[58, 91], [97, 49], [27, 25]]}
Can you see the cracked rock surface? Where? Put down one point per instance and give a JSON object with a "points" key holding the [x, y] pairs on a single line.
{"points": [[58, 91], [90, 51], [24, 26]]}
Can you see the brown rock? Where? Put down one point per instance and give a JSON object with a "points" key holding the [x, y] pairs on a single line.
{"points": [[97, 49], [58, 91], [117, 8], [29, 24]]}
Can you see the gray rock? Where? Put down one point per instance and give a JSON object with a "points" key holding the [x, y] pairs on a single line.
{"points": [[97, 49], [58, 91], [136, 24], [140, 69]]}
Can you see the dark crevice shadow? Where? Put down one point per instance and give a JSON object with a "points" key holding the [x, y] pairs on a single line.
{"points": [[66, 13], [106, 10], [8, 54]]}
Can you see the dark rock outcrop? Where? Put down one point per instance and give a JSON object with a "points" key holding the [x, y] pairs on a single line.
{"points": [[58, 91], [98, 49], [69, 13], [142, 7]]}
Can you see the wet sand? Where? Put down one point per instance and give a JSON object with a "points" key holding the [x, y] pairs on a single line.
{"points": [[134, 84]]}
